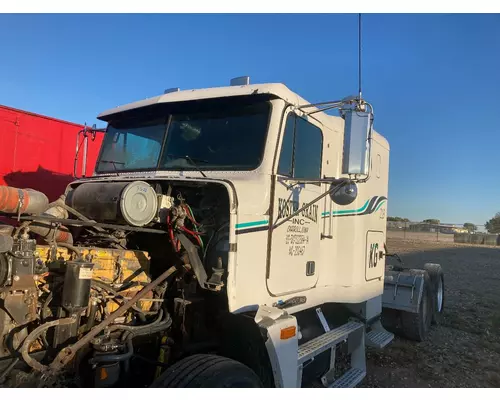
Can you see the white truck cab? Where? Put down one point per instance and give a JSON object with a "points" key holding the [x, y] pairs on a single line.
{"points": [[271, 215]]}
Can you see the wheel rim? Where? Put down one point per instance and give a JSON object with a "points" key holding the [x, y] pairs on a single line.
{"points": [[440, 295]]}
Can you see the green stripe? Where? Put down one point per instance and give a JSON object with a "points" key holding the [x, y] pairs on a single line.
{"points": [[347, 211], [250, 224], [382, 202]]}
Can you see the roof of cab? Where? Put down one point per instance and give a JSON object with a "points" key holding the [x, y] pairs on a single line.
{"points": [[276, 89]]}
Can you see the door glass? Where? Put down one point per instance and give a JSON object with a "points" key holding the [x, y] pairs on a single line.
{"points": [[308, 148], [301, 149]]}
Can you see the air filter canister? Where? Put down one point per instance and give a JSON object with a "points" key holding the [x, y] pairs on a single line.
{"points": [[138, 203], [132, 203]]}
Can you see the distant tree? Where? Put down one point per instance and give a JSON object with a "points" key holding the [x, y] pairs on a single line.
{"points": [[493, 225], [397, 219], [432, 221], [470, 227]]}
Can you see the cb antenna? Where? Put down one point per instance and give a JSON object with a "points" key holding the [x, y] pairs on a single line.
{"points": [[359, 55]]}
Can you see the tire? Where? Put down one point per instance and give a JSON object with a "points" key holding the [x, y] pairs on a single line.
{"points": [[207, 371], [416, 326], [437, 282]]}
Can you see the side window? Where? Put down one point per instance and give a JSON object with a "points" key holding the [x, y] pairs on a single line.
{"points": [[301, 149], [308, 149], [286, 156]]}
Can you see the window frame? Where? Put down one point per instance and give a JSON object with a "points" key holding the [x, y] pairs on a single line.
{"points": [[283, 131], [168, 114]]}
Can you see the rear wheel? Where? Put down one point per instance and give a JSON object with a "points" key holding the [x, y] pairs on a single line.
{"points": [[437, 282], [207, 371], [416, 326]]}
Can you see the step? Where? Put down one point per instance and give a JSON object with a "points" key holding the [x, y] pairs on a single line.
{"points": [[312, 348], [350, 379], [378, 339]]}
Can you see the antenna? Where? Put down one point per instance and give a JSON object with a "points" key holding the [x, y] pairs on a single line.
{"points": [[359, 54], [357, 101]]}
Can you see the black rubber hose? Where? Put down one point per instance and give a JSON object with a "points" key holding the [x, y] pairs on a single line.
{"points": [[70, 247], [111, 290], [138, 328], [150, 330], [114, 357]]}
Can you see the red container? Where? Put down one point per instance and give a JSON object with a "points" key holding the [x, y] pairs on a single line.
{"points": [[38, 152]]}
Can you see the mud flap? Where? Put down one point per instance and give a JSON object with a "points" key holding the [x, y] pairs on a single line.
{"points": [[403, 290]]}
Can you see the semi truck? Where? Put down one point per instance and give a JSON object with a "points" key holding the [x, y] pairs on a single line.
{"points": [[229, 237]]}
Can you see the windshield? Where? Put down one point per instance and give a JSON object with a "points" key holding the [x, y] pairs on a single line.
{"points": [[207, 136]]}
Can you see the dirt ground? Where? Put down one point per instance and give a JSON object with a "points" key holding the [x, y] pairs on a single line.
{"points": [[464, 350]]}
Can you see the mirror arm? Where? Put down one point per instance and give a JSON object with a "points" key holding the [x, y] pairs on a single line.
{"points": [[295, 181], [332, 190], [323, 109]]}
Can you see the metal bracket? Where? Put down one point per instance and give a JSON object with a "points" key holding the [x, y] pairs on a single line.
{"points": [[199, 270], [403, 290]]}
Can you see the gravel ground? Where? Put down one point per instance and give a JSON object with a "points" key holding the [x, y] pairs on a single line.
{"points": [[464, 350]]}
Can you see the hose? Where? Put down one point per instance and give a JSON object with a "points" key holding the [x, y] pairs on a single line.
{"points": [[33, 335], [70, 247], [110, 289], [151, 329], [139, 328], [193, 234], [77, 214], [114, 357], [131, 332], [67, 353]]}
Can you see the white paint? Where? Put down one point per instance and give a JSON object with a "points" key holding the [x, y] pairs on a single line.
{"points": [[282, 352], [85, 273]]}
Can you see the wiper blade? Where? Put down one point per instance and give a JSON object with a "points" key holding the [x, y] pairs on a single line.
{"points": [[113, 163], [196, 166], [191, 160]]}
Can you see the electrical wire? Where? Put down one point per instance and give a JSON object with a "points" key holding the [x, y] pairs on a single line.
{"points": [[196, 233]]}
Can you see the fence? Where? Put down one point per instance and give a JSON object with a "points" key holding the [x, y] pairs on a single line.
{"points": [[439, 233], [478, 238]]}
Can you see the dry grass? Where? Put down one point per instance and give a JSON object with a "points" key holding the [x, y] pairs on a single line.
{"points": [[464, 350]]}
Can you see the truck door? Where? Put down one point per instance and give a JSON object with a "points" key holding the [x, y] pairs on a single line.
{"points": [[295, 243]]}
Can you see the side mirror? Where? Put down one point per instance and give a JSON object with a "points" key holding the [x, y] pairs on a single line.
{"points": [[345, 195], [357, 132]]}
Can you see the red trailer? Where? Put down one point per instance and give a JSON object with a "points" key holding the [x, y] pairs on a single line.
{"points": [[38, 152]]}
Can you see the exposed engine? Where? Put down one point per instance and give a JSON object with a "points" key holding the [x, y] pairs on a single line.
{"points": [[109, 276]]}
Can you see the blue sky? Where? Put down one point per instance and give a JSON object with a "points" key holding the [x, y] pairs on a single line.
{"points": [[433, 80]]}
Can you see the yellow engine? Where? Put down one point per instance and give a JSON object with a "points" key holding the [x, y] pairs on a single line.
{"points": [[113, 268]]}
